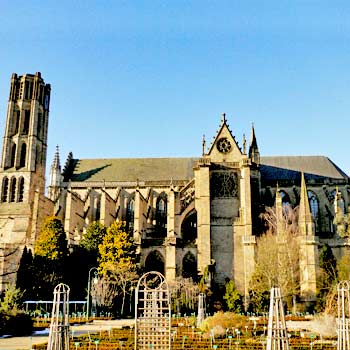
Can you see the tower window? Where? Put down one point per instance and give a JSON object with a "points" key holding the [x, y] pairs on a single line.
{"points": [[39, 123], [20, 189], [26, 90], [16, 122], [22, 162], [4, 189], [13, 190], [13, 155], [26, 121], [30, 90]]}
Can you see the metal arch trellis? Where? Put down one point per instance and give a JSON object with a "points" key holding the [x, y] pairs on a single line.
{"points": [[152, 312], [343, 316], [277, 336], [59, 327]]}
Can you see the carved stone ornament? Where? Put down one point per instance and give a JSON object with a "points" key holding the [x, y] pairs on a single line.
{"points": [[224, 145]]}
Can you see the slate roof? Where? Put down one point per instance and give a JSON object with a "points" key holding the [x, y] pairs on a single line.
{"points": [[289, 167], [131, 169], [165, 169]]}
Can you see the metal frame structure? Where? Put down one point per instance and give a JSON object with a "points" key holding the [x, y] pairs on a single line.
{"points": [[152, 313], [277, 336], [201, 309], [59, 327], [343, 342]]}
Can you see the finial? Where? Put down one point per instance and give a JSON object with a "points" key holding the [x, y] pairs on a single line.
{"points": [[244, 145], [223, 119], [203, 145]]}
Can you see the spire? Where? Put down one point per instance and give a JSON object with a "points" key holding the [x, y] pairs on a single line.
{"points": [[56, 161], [306, 224], [55, 176], [254, 153]]}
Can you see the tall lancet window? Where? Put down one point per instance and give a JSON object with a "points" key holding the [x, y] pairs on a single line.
{"points": [[4, 189], [130, 214], [22, 162], [20, 189], [313, 204], [161, 214], [13, 156], [13, 189]]}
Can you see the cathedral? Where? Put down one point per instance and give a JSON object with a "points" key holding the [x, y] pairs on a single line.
{"points": [[186, 215]]}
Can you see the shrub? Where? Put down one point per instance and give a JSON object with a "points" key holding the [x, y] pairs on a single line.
{"points": [[16, 324], [223, 320]]}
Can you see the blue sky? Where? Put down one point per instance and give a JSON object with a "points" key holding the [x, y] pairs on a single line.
{"points": [[149, 78]]}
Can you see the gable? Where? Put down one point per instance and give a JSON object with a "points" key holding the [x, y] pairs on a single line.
{"points": [[224, 147]]}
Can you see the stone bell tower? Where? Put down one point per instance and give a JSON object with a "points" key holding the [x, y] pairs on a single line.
{"points": [[25, 138], [23, 162]]}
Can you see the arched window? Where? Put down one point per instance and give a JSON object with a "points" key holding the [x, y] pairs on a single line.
{"points": [[97, 205], [189, 266], [13, 189], [268, 198], [22, 162], [4, 189], [20, 189], [26, 121], [313, 204], [161, 214], [13, 156], [130, 213], [16, 122], [285, 201], [155, 262], [189, 227]]}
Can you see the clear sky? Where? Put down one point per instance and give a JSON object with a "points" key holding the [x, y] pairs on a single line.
{"points": [[149, 78]]}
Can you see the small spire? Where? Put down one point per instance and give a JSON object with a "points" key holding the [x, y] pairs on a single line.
{"points": [[305, 218], [254, 153], [56, 161], [203, 145], [244, 144], [223, 119]]}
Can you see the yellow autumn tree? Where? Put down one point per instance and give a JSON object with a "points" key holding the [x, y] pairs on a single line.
{"points": [[50, 258], [117, 259], [117, 248]]}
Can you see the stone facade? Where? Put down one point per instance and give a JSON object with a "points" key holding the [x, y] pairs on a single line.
{"points": [[23, 205], [186, 215]]}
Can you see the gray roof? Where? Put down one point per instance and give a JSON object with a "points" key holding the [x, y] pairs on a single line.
{"points": [[131, 169], [165, 169], [284, 167]]}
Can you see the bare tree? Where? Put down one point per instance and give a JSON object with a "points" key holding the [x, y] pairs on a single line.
{"points": [[124, 276], [184, 294], [277, 256]]}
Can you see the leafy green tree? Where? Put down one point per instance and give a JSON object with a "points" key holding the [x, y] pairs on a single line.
{"points": [[93, 237], [50, 257], [52, 241], [233, 298]]}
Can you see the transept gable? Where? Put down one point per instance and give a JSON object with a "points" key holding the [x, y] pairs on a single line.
{"points": [[224, 147]]}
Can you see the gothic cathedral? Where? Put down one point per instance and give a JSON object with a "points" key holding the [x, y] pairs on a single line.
{"points": [[187, 215]]}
